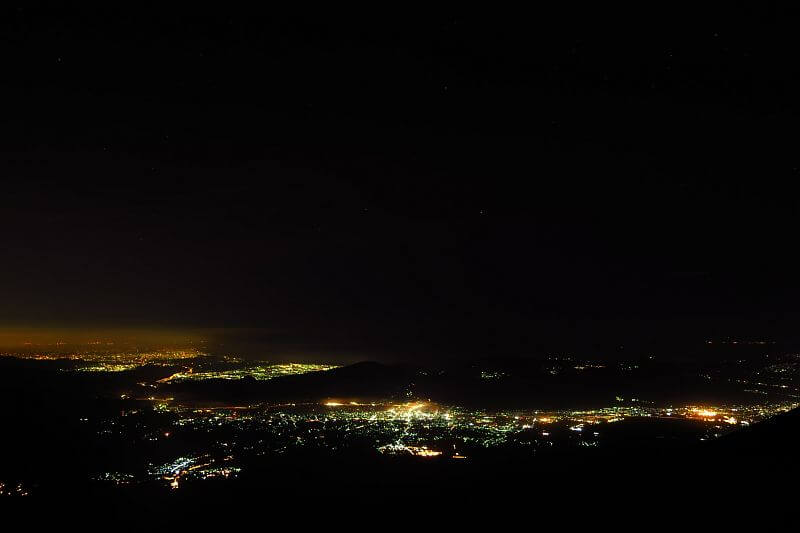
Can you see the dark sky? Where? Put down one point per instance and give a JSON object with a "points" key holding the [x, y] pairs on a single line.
{"points": [[409, 177]]}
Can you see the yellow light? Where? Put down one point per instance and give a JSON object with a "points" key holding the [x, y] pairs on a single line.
{"points": [[424, 452], [333, 404], [705, 413]]}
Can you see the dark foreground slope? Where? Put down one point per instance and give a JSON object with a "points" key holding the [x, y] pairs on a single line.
{"points": [[775, 438]]}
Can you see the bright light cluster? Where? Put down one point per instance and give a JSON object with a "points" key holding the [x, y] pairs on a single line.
{"points": [[260, 372]]}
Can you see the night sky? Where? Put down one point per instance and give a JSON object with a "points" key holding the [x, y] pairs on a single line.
{"points": [[437, 181]]}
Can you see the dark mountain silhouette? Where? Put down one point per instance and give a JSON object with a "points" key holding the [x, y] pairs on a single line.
{"points": [[366, 379], [486, 383], [772, 439]]}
